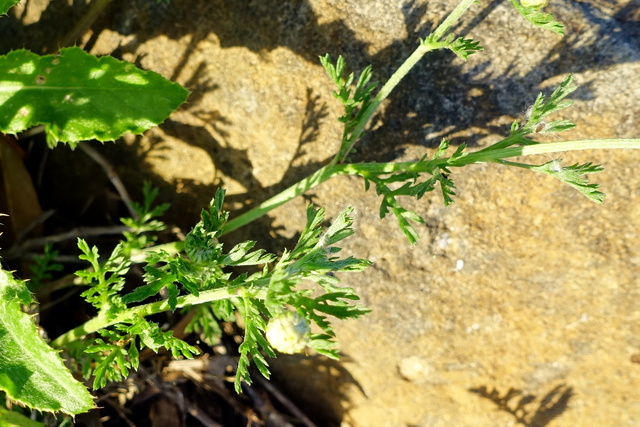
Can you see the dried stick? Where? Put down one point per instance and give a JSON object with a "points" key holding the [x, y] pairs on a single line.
{"points": [[113, 176]]}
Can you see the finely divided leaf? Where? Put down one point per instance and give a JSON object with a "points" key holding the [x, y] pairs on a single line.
{"points": [[574, 175], [78, 96], [539, 19], [254, 342], [241, 255], [556, 99], [156, 279], [31, 372], [463, 48], [355, 102], [340, 229]]}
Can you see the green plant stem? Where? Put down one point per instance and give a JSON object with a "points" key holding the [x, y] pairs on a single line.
{"points": [[313, 180], [380, 97], [452, 19], [400, 73], [482, 156], [317, 178], [330, 170], [549, 148], [99, 322]]}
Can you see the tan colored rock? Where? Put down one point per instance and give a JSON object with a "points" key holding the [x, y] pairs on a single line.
{"points": [[522, 285]]}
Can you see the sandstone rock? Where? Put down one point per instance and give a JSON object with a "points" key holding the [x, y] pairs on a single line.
{"points": [[522, 285]]}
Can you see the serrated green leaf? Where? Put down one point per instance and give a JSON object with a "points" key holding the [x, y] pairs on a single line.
{"points": [[447, 188], [172, 295], [78, 96], [325, 347], [134, 355], [31, 372], [143, 292], [43, 266], [555, 101], [5, 5], [14, 419], [442, 149], [340, 229], [407, 229], [459, 153], [90, 254]]}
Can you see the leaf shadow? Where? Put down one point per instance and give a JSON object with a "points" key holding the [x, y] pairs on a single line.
{"points": [[527, 409], [320, 373], [443, 100]]}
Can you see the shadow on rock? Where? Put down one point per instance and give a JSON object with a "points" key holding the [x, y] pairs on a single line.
{"points": [[527, 409], [305, 376]]}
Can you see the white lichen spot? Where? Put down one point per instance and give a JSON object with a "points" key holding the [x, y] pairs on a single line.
{"points": [[68, 98], [288, 332], [24, 112]]}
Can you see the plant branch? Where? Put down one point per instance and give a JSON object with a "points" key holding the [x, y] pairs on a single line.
{"points": [[400, 73], [482, 156], [20, 249], [100, 322], [313, 180], [111, 174], [548, 148], [94, 11], [452, 19]]}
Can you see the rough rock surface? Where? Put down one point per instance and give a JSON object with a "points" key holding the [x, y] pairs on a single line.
{"points": [[523, 294]]}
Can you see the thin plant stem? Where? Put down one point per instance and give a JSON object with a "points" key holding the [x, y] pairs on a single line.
{"points": [[21, 248], [384, 92], [94, 11], [400, 73], [452, 18], [328, 171], [495, 153], [482, 156], [313, 180], [100, 322], [552, 147], [259, 289], [112, 175]]}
